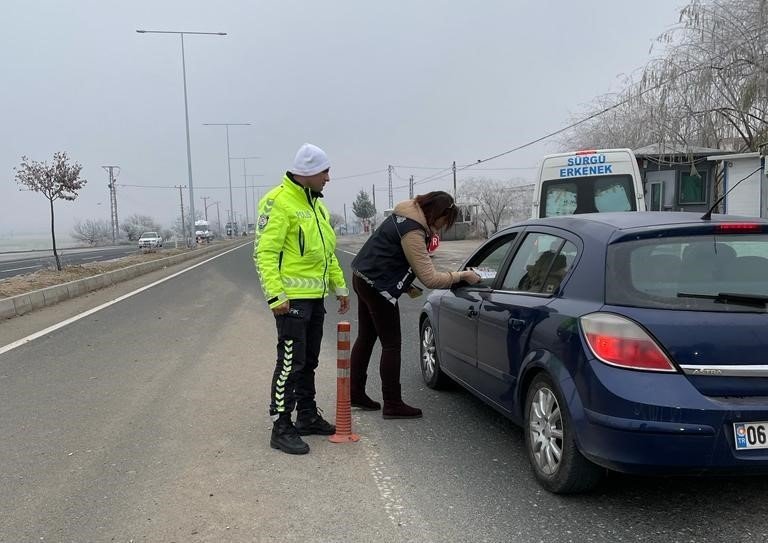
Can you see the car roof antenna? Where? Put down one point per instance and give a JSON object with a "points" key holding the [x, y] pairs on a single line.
{"points": [[708, 215]]}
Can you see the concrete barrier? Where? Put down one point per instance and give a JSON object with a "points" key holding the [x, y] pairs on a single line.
{"points": [[29, 301]]}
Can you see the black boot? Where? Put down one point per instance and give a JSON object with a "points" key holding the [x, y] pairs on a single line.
{"points": [[394, 406], [358, 397], [311, 422], [286, 438], [400, 410]]}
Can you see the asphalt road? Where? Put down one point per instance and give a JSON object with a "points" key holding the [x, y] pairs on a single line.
{"points": [[12, 264], [146, 421]]}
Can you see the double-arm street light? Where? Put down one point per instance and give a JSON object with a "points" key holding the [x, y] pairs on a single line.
{"points": [[245, 179], [253, 193], [229, 168], [186, 107]]}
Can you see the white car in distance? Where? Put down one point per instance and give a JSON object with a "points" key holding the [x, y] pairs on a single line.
{"points": [[150, 240]]}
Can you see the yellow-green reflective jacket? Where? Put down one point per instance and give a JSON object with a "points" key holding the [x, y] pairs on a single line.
{"points": [[294, 248]]}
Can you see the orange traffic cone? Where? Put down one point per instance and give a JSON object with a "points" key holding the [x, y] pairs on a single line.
{"points": [[343, 406]]}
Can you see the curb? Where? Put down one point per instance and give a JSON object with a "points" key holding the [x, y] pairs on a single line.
{"points": [[22, 304]]}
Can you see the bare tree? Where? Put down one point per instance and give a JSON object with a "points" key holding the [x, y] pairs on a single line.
{"points": [[336, 220], [496, 201], [715, 72], [179, 229], [135, 225], [57, 181], [92, 231], [708, 86], [166, 233]]}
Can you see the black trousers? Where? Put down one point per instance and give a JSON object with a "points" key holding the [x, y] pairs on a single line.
{"points": [[299, 334], [378, 319]]}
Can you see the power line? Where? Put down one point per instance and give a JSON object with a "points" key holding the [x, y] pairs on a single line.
{"points": [[359, 175], [207, 188], [506, 169], [488, 169], [417, 167], [603, 111], [589, 117]]}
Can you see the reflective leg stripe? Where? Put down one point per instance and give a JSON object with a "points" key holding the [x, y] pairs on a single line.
{"points": [[283, 377]]}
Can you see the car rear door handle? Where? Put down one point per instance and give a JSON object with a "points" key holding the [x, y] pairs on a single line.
{"points": [[471, 313], [517, 324]]}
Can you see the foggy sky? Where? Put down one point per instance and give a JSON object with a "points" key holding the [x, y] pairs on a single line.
{"points": [[412, 84]]}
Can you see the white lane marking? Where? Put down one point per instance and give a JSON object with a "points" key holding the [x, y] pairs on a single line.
{"points": [[24, 268], [393, 502], [348, 252], [84, 314]]}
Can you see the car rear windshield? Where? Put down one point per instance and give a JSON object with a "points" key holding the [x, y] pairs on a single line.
{"points": [[723, 273], [593, 194]]}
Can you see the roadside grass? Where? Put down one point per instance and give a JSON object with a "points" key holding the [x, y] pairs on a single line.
{"points": [[48, 277]]}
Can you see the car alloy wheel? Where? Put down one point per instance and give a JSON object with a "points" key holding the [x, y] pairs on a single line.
{"points": [[430, 363], [549, 438], [545, 423]]}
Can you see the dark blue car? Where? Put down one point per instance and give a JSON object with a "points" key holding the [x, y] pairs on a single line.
{"points": [[636, 342]]}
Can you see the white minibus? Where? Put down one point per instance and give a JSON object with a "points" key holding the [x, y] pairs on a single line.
{"points": [[588, 182]]}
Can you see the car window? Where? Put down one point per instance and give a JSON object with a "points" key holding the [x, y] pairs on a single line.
{"points": [[612, 193], [540, 264], [560, 199], [688, 272], [489, 261], [588, 195]]}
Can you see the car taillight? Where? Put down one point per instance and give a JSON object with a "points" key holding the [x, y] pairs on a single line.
{"points": [[738, 227], [620, 342]]}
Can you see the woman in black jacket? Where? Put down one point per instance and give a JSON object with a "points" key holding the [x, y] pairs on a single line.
{"points": [[394, 255]]}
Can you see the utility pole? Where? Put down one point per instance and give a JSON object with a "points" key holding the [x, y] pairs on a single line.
{"points": [[346, 226], [373, 191], [113, 200], [229, 170], [205, 204], [373, 219], [391, 200], [410, 188], [245, 180], [183, 222], [454, 180], [218, 217]]}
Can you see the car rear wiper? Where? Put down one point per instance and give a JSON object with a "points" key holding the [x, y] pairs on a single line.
{"points": [[755, 300]]}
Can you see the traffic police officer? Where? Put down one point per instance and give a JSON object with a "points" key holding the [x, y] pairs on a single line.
{"points": [[294, 253]]}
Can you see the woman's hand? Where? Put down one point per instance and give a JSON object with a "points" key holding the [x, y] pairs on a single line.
{"points": [[470, 277]]}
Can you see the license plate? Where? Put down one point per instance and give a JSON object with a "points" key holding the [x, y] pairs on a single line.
{"points": [[751, 435]]}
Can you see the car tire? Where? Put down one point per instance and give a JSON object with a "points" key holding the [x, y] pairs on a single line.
{"points": [[549, 435], [429, 361]]}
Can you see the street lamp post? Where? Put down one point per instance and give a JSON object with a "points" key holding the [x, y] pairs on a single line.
{"points": [[229, 168], [245, 179], [186, 106], [207, 205], [255, 195]]}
